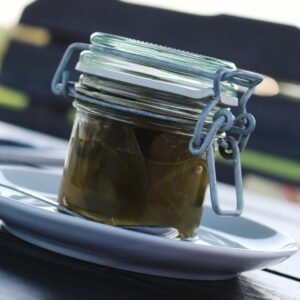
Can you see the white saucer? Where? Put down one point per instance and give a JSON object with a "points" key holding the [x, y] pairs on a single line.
{"points": [[227, 246]]}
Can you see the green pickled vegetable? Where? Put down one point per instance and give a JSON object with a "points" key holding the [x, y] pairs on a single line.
{"points": [[122, 175]]}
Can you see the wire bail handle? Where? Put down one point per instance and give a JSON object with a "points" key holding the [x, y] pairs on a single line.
{"points": [[238, 128], [60, 81]]}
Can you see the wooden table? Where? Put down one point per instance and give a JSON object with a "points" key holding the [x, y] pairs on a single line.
{"points": [[29, 272]]}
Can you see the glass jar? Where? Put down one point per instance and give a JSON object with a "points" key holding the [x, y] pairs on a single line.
{"points": [[137, 104]]}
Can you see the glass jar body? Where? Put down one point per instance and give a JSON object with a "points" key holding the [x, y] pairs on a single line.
{"points": [[125, 171]]}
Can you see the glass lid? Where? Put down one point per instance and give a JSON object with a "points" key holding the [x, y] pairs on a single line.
{"points": [[155, 67]]}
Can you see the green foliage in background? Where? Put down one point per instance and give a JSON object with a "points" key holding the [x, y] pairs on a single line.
{"points": [[268, 164], [13, 99]]}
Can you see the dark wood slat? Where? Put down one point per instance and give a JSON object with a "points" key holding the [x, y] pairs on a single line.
{"points": [[252, 44], [29, 272]]}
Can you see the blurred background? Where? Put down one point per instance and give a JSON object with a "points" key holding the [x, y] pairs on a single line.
{"points": [[259, 35]]}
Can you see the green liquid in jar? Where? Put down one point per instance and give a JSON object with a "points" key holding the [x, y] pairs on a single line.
{"points": [[122, 175]]}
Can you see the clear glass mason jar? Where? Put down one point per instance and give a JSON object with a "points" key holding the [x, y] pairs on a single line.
{"points": [[124, 168]]}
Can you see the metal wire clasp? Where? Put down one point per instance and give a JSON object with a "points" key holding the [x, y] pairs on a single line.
{"points": [[237, 171], [237, 129]]}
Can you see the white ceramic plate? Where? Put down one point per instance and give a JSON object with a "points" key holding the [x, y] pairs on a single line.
{"points": [[226, 247]]}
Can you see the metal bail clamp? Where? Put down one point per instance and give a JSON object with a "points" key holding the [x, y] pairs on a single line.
{"points": [[238, 129], [60, 81]]}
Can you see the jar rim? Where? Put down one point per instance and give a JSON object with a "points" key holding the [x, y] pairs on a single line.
{"points": [[127, 118], [133, 97]]}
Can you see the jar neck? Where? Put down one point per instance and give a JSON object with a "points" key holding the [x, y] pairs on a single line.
{"points": [[185, 110], [132, 119]]}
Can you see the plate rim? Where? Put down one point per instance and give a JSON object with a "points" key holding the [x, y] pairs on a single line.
{"points": [[53, 217], [14, 214]]}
